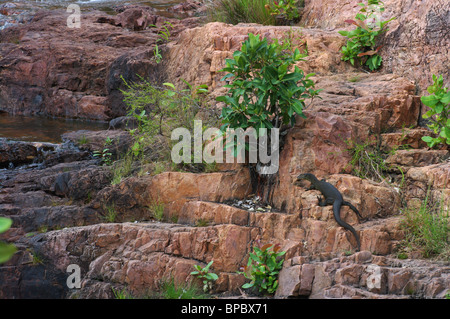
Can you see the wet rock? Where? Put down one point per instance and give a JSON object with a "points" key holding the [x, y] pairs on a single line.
{"points": [[36, 281], [16, 153], [80, 184], [123, 122]]}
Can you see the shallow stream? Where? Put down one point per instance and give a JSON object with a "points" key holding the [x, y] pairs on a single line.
{"points": [[42, 129]]}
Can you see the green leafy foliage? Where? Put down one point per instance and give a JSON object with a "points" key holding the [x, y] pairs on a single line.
{"points": [[288, 9], [206, 276], [361, 43], [158, 110], [163, 37], [6, 250], [263, 267], [264, 90], [105, 154], [439, 103]]}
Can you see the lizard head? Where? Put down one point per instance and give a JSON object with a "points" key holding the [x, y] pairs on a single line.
{"points": [[307, 176]]}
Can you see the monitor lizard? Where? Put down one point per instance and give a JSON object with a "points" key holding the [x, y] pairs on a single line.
{"points": [[332, 197]]}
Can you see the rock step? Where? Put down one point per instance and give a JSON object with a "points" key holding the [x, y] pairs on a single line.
{"points": [[311, 234], [405, 137], [138, 255], [363, 275], [406, 159]]}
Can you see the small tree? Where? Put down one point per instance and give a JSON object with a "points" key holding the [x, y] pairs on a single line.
{"points": [[263, 267], [264, 91], [361, 44], [439, 114]]}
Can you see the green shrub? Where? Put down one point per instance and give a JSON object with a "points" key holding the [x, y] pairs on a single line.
{"points": [[264, 91], [361, 45], [287, 9], [158, 111], [157, 209], [204, 275], [439, 114], [263, 267]]}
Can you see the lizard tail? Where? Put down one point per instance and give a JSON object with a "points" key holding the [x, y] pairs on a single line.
{"points": [[353, 208], [336, 211]]}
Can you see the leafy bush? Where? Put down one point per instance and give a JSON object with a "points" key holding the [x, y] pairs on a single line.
{"points": [[263, 268], [361, 45], [105, 154], [158, 110], [287, 9], [439, 114], [264, 91], [237, 11], [206, 276]]}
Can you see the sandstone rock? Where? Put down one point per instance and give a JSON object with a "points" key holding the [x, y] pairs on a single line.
{"points": [[209, 56], [175, 188], [417, 158], [141, 254], [410, 137], [342, 278], [190, 7], [415, 45], [421, 179], [135, 19], [49, 69], [212, 213], [288, 280]]}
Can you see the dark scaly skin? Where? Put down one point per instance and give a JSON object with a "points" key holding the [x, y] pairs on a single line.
{"points": [[332, 197]]}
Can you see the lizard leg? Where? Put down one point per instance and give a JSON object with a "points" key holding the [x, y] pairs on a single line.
{"points": [[325, 202]]}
